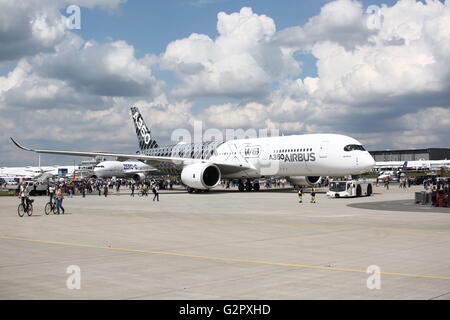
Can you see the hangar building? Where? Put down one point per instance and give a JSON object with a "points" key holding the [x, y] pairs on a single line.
{"points": [[411, 154]]}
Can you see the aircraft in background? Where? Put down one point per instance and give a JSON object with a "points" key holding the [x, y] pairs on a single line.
{"points": [[122, 169], [393, 175], [26, 173], [203, 165], [412, 165]]}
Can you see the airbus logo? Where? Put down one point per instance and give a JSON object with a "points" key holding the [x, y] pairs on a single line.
{"points": [[291, 157], [142, 128], [129, 166]]}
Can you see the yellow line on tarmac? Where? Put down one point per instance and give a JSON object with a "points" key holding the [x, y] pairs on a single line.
{"points": [[303, 266], [275, 223]]}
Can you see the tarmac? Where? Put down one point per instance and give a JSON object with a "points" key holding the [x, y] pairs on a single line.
{"points": [[226, 245]]}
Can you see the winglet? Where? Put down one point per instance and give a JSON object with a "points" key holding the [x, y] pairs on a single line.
{"points": [[19, 146]]}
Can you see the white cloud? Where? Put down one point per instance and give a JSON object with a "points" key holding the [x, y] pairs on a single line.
{"points": [[408, 71], [28, 27], [240, 62], [108, 69], [340, 21]]}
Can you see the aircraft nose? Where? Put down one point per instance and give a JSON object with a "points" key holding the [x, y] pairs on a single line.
{"points": [[367, 162]]}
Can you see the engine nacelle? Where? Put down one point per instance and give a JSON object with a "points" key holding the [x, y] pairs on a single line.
{"points": [[138, 177], [201, 176], [305, 181]]}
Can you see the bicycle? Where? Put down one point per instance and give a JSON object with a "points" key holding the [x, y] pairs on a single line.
{"points": [[50, 207], [21, 210]]}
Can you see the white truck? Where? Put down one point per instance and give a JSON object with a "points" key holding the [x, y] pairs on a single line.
{"points": [[350, 188]]}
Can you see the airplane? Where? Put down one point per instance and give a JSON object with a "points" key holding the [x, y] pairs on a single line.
{"points": [[122, 169], [203, 165], [393, 175], [23, 173], [414, 164]]}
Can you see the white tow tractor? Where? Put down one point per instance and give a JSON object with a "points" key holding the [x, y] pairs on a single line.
{"points": [[350, 188]]}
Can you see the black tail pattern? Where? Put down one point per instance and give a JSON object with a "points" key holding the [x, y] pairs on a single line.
{"points": [[143, 133]]}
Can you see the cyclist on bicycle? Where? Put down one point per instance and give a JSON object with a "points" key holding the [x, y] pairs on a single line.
{"points": [[23, 195], [51, 192]]}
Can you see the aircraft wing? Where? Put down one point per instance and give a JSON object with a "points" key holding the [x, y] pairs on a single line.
{"points": [[225, 167]]}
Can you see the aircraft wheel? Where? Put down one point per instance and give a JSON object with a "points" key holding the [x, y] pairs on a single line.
{"points": [[256, 186], [369, 190]]}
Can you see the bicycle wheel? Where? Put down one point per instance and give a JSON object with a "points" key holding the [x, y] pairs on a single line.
{"points": [[20, 210], [30, 210], [48, 208]]}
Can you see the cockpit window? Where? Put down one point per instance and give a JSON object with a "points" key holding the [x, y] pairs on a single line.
{"points": [[351, 147]]}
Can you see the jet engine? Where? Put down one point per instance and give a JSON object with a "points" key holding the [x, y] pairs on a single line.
{"points": [[138, 177], [305, 180], [202, 176]]}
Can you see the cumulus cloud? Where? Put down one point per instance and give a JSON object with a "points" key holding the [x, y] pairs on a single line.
{"points": [[241, 62], [405, 59], [29, 27], [78, 74], [342, 21], [26, 29], [108, 69]]}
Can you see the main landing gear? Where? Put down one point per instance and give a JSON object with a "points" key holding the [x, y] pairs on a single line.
{"points": [[248, 185]]}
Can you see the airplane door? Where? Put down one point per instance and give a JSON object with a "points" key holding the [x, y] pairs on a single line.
{"points": [[323, 151]]}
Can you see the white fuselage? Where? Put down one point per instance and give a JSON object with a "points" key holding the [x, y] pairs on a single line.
{"points": [[119, 169], [296, 155]]}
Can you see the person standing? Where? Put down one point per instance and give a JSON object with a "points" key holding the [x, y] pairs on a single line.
{"points": [[59, 199], [313, 195], [155, 190], [300, 195], [132, 190], [105, 190]]}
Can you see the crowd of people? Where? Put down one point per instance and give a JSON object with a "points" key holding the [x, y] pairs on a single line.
{"points": [[56, 191]]}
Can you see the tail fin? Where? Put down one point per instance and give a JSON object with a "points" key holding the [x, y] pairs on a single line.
{"points": [[405, 166], [144, 135]]}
